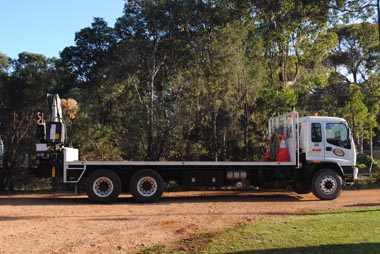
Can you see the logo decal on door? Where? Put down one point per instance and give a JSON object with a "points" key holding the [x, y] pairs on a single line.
{"points": [[338, 152]]}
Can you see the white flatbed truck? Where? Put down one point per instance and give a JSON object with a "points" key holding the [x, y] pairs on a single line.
{"points": [[320, 154]]}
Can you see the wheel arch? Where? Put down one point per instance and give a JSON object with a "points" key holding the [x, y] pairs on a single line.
{"points": [[311, 169], [303, 184], [327, 165]]}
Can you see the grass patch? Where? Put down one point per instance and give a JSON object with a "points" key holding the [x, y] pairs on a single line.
{"points": [[348, 231]]}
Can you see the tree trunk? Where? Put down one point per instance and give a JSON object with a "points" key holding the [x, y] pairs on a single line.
{"points": [[214, 141]]}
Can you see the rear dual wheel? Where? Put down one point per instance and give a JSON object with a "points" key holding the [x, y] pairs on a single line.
{"points": [[146, 186], [104, 186]]}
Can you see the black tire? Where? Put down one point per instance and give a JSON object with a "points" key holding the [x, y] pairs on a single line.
{"points": [[327, 184], [146, 186], [103, 186]]}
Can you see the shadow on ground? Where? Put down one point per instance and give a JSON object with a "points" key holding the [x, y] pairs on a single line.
{"points": [[172, 198], [335, 248]]}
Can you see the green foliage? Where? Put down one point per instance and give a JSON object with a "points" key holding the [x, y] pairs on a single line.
{"points": [[364, 160], [22, 94], [357, 50], [356, 113], [4, 63]]}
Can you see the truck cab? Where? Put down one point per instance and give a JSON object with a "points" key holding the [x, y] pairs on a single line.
{"points": [[328, 140], [327, 155]]}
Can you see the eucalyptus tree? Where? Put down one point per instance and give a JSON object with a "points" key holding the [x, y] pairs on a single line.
{"points": [[356, 53], [164, 42], [355, 57], [23, 92], [286, 26], [142, 33], [236, 76], [356, 113], [89, 63]]}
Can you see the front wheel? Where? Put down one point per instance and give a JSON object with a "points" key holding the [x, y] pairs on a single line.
{"points": [[103, 186], [146, 186], [327, 184]]}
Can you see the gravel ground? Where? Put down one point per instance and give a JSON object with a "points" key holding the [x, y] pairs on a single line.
{"points": [[64, 223]]}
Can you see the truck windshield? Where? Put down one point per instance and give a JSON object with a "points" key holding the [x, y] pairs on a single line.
{"points": [[338, 134]]}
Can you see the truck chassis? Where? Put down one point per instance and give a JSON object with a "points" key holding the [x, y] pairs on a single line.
{"points": [[307, 163]]}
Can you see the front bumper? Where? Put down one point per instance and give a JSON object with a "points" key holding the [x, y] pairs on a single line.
{"points": [[350, 174]]}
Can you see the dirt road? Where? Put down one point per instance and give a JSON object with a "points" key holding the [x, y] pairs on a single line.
{"points": [[64, 223]]}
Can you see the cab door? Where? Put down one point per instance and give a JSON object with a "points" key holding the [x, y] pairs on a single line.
{"points": [[315, 151], [338, 145]]}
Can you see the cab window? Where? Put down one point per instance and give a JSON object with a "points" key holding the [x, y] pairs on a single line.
{"points": [[316, 132], [338, 134]]}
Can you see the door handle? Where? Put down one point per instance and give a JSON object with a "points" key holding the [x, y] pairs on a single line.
{"points": [[328, 148]]}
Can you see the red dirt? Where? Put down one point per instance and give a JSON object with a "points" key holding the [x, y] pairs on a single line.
{"points": [[64, 223]]}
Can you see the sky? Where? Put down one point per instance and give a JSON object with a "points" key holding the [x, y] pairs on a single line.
{"points": [[48, 26]]}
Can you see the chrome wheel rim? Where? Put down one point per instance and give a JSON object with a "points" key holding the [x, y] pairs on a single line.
{"points": [[103, 187], [328, 184], [147, 186]]}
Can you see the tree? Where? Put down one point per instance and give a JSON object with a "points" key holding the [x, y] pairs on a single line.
{"points": [[356, 52], [143, 28], [356, 113], [352, 11], [168, 40], [285, 26], [356, 58], [236, 73], [88, 61], [372, 94], [23, 93]]}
